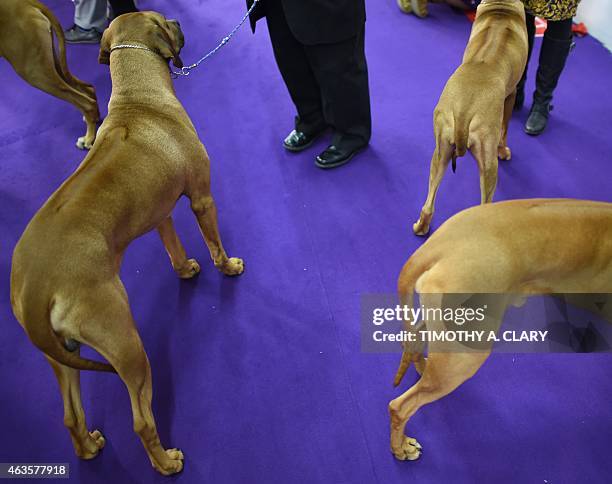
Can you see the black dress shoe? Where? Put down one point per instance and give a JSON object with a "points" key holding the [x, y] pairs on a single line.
{"points": [[298, 140], [334, 156], [538, 119], [78, 35]]}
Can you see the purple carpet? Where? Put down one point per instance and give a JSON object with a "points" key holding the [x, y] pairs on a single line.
{"points": [[261, 378]]}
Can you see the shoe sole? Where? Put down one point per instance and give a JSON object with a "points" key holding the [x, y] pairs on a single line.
{"points": [[303, 147], [533, 133], [340, 163]]}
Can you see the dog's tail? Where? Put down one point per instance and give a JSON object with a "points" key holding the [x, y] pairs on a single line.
{"points": [[460, 142], [406, 286], [47, 341], [59, 57]]}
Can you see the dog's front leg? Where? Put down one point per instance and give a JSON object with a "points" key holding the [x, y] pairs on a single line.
{"points": [[185, 268], [503, 151], [205, 210]]}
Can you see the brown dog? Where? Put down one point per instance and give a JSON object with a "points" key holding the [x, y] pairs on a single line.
{"points": [[65, 286], [519, 247], [475, 107], [26, 41]]}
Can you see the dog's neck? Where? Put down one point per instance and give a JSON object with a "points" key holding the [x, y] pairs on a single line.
{"points": [[140, 76]]}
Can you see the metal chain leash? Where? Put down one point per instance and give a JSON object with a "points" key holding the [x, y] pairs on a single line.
{"points": [[186, 70]]}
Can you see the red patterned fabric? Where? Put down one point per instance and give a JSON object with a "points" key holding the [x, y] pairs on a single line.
{"points": [[579, 30]]}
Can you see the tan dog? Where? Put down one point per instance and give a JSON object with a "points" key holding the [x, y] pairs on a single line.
{"points": [[477, 101], [65, 286], [26, 41], [519, 247]]}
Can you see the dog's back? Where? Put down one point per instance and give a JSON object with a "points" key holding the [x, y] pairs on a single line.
{"points": [[493, 63], [561, 244]]}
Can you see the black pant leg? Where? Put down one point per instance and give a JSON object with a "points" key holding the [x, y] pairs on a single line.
{"points": [[559, 30], [531, 30], [556, 46], [342, 73], [294, 67], [122, 6]]}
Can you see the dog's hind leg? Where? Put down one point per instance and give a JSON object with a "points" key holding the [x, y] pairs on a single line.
{"points": [[484, 151], [36, 64], [443, 373], [439, 164], [450, 362], [205, 210], [503, 151], [86, 444], [185, 268], [108, 327]]}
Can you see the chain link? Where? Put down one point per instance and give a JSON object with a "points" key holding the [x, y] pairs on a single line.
{"points": [[186, 70]]}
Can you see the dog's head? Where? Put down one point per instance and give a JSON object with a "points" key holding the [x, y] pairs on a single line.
{"points": [[150, 29]]}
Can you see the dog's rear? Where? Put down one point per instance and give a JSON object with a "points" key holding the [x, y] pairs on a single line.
{"points": [[469, 111], [501, 249], [475, 107], [42, 302], [32, 41]]}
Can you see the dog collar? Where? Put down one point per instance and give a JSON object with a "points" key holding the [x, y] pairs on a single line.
{"points": [[130, 46]]}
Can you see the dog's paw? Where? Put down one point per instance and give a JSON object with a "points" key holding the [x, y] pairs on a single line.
{"points": [[233, 267], [190, 269], [410, 449], [84, 143], [421, 227], [419, 8], [504, 153], [172, 464], [404, 5], [91, 446]]}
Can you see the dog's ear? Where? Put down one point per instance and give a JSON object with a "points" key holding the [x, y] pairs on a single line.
{"points": [[104, 56], [169, 42]]}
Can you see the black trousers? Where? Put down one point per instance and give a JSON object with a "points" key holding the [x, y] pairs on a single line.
{"points": [[555, 48], [122, 6], [328, 83]]}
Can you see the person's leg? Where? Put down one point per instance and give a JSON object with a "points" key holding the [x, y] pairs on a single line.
{"points": [[555, 49], [296, 72], [90, 14], [520, 88], [120, 7], [89, 22], [341, 71]]}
